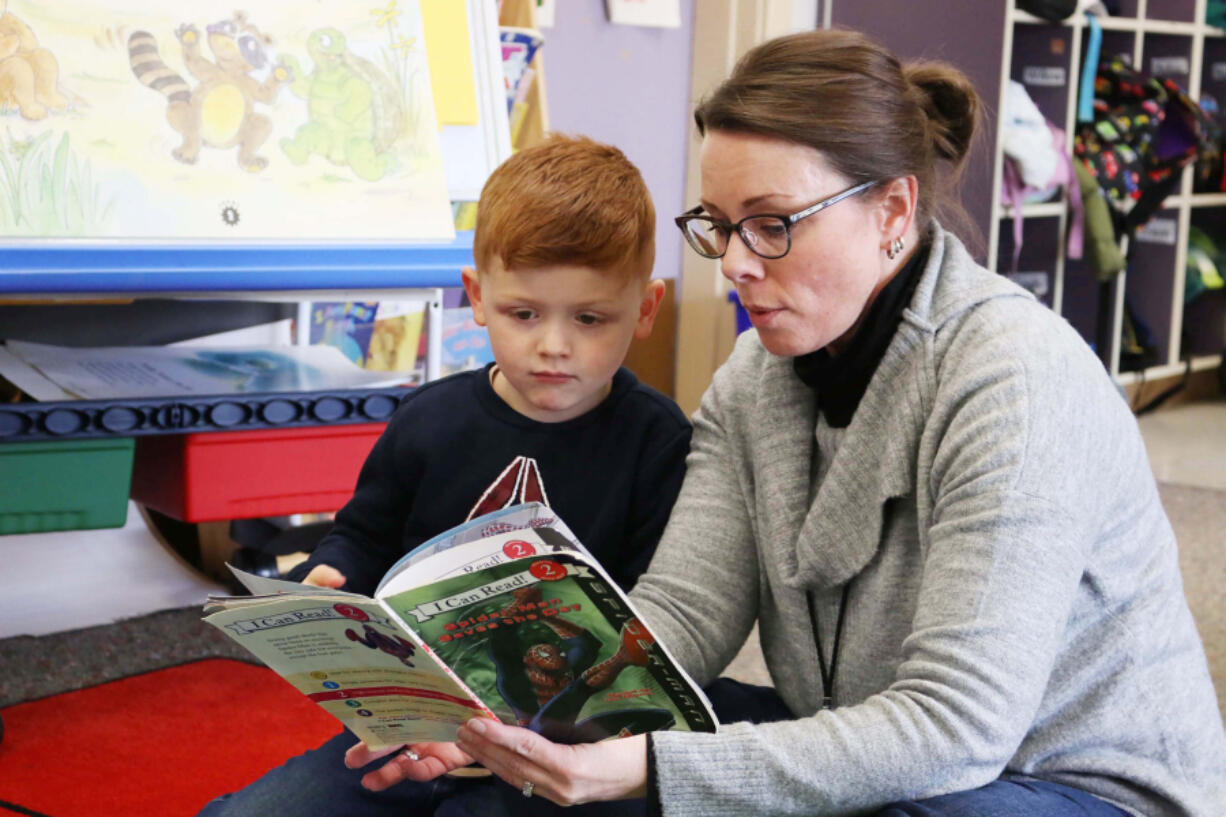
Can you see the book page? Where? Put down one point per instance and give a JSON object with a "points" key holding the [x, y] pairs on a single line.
{"points": [[265, 586], [549, 643], [532, 515], [351, 658], [471, 557], [102, 373]]}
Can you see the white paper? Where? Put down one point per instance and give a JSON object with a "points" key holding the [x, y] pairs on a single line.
{"points": [[275, 333], [1170, 66], [1158, 231], [657, 13], [1044, 76], [28, 379], [158, 371], [546, 13]]}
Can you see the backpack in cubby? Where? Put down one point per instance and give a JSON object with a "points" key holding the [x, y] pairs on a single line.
{"points": [[1144, 129]]}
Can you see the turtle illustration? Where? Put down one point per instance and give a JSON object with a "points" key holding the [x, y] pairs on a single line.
{"points": [[356, 115]]}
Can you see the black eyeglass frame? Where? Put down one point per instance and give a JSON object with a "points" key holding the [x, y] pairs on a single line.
{"points": [[696, 214]]}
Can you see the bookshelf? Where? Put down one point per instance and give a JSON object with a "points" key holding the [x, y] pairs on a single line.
{"points": [[522, 14], [1163, 37]]}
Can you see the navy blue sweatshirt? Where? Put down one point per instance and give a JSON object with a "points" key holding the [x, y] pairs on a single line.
{"points": [[612, 474]]}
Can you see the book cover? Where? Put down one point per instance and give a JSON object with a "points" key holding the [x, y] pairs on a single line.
{"points": [[519, 47], [380, 336], [549, 644], [466, 344], [506, 615], [347, 326]]}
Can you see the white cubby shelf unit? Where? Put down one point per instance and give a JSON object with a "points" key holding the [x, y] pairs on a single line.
{"points": [[1163, 37]]}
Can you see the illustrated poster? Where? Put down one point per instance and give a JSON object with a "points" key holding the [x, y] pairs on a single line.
{"points": [[152, 119]]}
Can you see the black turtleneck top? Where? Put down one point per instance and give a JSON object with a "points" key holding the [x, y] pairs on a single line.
{"points": [[841, 380]]}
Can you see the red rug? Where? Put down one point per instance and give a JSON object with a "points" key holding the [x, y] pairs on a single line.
{"points": [[163, 743]]}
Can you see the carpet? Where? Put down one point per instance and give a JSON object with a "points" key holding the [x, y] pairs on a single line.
{"points": [[160, 743], [44, 665]]}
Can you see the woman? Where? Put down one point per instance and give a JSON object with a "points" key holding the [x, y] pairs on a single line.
{"points": [[918, 480]]}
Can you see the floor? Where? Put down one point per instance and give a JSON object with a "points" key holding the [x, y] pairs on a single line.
{"points": [[1187, 449], [62, 581], [1187, 444]]}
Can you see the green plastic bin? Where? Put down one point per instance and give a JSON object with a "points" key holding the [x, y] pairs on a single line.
{"points": [[64, 485]]}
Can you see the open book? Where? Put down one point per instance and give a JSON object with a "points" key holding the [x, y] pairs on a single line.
{"points": [[507, 616]]}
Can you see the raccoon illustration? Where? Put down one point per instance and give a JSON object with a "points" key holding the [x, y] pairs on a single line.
{"points": [[220, 110]]}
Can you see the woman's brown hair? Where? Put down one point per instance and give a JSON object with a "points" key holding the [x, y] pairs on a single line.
{"points": [[869, 115]]}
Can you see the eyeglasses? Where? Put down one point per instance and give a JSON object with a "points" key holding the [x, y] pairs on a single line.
{"points": [[767, 235]]}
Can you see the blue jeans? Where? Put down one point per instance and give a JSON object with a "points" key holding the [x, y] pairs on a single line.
{"points": [[1008, 797], [317, 784]]}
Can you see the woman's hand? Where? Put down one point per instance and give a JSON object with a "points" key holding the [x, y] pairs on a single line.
{"points": [[420, 762], [566, 775]]}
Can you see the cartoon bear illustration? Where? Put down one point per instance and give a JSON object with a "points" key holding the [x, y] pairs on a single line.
{"points": [[29, 75]]}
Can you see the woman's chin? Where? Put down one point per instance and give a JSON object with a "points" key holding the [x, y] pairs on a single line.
{"points": [[785, 344]]}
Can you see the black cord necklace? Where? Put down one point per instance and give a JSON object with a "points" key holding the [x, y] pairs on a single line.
{"points": [[828, 672]]}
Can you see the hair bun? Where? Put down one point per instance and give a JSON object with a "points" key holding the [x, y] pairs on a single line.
{"points": [[951, 103]]}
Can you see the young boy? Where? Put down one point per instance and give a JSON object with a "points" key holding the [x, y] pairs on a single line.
{"points": [[564, 248]]}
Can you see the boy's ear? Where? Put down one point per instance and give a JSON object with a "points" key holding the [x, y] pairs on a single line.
{"points": [[649, 307], [472, 285]]}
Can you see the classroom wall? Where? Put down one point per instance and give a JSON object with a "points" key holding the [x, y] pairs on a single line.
{"points": [[628, 86], [946, 31]]}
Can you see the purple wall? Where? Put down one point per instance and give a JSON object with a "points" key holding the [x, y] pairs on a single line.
{"points": [[968, 35], [627, 86]]}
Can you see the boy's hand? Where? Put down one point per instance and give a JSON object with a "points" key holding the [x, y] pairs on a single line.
{"points": [[325, 576], [432, 760]]}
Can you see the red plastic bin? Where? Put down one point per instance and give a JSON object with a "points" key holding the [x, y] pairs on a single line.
{"points": [[246, 474]]}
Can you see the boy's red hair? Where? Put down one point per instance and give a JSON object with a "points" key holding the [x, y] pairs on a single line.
{"points": [[568, 200]]}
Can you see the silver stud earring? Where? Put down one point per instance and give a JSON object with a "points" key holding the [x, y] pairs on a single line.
{"points": [[896, 247]]}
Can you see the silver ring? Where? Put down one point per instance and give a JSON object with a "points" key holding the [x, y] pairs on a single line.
{"points": [[526, 791], [410, 754]]}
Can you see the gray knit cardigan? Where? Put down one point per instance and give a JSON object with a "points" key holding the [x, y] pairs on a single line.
{"points": [[1015, 602]]}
